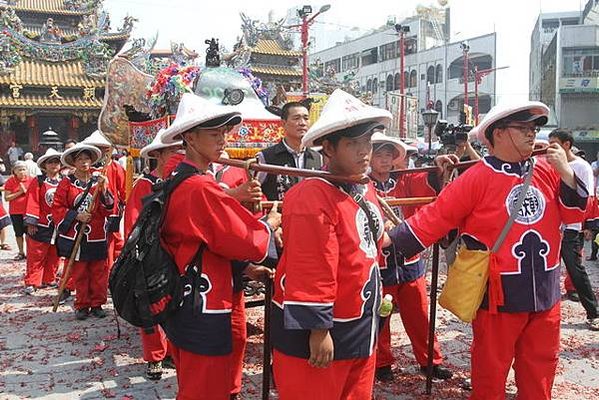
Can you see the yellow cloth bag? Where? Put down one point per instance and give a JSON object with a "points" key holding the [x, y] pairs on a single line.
{"points": [[466, 283]]}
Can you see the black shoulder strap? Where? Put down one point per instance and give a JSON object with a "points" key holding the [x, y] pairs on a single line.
{"points": [[359, 199], [85, 193]]}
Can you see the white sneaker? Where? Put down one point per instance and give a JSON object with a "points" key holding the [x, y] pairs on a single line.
{"points": [[593, 324], [29, 290]]}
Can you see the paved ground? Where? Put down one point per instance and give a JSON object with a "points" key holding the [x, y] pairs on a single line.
{"points": [[47, 355]]}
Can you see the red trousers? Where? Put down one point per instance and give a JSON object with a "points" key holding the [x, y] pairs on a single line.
{"points": [[239, 330], [91, 283], [411, 299], [529, 340], [154, 345], [342, 380], [202, 377], [42, 263]]}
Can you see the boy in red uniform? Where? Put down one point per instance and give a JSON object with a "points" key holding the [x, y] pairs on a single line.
{"points": [[403, 279], [518, 322], [218, 229], [117, 184], [42, 259], [15, 190], [154, 343], [327, 287], [69, 211]]}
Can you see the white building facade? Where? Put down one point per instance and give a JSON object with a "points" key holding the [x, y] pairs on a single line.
{"points": [[434, 67]]}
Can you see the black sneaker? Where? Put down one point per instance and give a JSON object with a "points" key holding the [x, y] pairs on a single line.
{"points": [[98, 312], [384, 374], [573, 296], [64, 296], [154, 370], [82, 314], [439, 372]]}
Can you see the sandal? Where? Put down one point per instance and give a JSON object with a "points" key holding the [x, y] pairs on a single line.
{"points": [[5, 246], [19, 257]]}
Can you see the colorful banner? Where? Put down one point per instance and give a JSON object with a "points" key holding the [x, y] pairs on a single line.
{"points": [[319, 100], [141, 134], [252, 136], [411, 115]]}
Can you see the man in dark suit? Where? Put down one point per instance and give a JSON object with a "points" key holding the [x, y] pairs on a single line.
{"points": [[289, 152]]}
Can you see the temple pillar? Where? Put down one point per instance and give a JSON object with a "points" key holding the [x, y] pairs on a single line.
{"points": [[73, 128], [34, 132]]}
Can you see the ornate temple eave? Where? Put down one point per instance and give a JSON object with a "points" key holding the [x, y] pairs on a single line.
{"points": [[47, 104], [54, 7], [43, 74], [119, 35], [276, 71], [273, 48]]}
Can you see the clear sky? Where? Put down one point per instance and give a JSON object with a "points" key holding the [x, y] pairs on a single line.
{"points": [[193, 21]]}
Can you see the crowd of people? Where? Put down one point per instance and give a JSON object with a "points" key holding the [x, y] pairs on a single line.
{"points": [[333, 251]]}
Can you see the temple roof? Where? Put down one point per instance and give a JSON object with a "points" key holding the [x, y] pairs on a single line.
{"points": [[37, 73], [272, 47], [31, 101], [48, 6], [275, 70]]}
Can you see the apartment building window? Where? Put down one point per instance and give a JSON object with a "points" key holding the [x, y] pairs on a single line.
{"points": [[334, 64], [370, 56], [375, 85], [389, 83], [439, 74], [396, 82], [369, 85], [430, 74], [413, 78], [351, 61], [389, 51]]}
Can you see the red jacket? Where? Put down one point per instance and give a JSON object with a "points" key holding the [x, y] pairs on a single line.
{"points": [[394, 269], [68, 194], [141, 188], [40, 196], [117, 184], [328, 276], [198, 211], [525, 270]]}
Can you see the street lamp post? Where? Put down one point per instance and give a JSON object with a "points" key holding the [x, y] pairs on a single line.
{"points": [[402, 30], [478, 79], [465, 49], [304, 13], [430, 119]]}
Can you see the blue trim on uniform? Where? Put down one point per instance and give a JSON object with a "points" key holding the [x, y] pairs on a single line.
{"points": [[43, 234], [67, 221], [30, 220], [88, 251], [297, 316], [404, 240], [398, 271], [5, 221]]}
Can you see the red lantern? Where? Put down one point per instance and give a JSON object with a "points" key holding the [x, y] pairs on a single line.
{"points": [[31, 122], [75, 123]]}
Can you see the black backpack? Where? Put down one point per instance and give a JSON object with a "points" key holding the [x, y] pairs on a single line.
{"points": [[145, 282]]}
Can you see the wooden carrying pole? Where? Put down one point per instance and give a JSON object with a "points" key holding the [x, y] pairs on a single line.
{"points": [[459, 166], [393, 202], [304, 173]]}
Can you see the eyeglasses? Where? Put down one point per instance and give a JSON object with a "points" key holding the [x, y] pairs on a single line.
{"points": [[524, 129]]}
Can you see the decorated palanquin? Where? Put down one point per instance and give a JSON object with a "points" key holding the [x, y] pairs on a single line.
{"points": [[260, 128], [138, 105]]}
